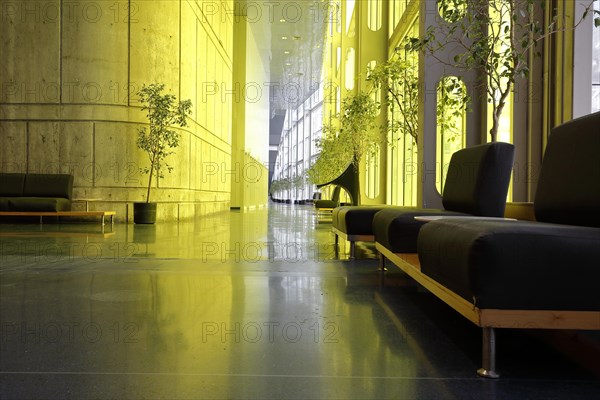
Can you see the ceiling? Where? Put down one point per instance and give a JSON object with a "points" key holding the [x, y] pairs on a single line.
{"points": [[290, 34]]}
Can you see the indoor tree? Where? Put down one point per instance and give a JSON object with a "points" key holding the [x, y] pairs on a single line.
{"points": [[163, 112], [399, 80], [351, 134], [495, 37], [158, 140]]}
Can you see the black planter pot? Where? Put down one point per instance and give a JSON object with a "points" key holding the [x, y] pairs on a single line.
{"points": [[144, 213]]}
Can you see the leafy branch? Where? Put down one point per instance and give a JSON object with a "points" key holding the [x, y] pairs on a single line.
{"points": [[399, 79], [494, 37], [347, 139]]}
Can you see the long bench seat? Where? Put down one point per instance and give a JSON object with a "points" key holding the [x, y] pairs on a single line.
{"points": [[523, 274], [35, 192], [476, 184]]}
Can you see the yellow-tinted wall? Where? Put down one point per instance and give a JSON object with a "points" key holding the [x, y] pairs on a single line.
{"points": [[69, 72], [250, 134]]}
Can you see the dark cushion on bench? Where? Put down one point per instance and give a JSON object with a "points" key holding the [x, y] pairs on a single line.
{"points": [[396, 228], [568, 190], [48, 185], [11, 185], [355, 220], [4, 204], [326, 204], [50, 204], [514, 264]]}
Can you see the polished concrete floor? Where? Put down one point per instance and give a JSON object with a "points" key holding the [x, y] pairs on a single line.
{"points": [[256, 305]]}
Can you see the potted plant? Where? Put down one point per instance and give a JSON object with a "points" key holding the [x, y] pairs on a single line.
{"points": [[351, 135], [158, 140]]}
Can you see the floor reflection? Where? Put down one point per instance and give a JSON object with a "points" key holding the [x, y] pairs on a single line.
{"points": [[236, 305]]}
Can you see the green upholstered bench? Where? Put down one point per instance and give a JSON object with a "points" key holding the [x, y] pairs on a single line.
{"points": [[540, 274], [36, 192]]}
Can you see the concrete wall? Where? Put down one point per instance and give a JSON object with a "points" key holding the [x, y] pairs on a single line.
{"points": [[256, 155], [69, 72], [250, 133]]}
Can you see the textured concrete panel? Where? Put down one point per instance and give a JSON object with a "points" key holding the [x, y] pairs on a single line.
{"points": [[118, 158], [28, 74], [95, 51], [180, 162], [195, 160], [29, 52], [201, 71], [211, 85], [155, 45], [44, 148], [76, 151], [62, 147], [13, 152], [189, 60]]}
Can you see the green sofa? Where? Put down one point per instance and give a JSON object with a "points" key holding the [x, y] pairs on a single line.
{"points": [[36, 192]]}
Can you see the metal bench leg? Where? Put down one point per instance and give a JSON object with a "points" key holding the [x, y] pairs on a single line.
{"points": [[488, 356], [352, 250], [382, 270]]}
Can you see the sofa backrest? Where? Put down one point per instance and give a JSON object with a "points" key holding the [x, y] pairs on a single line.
{"points": [[48, 185], [335, 195], [568, 190], [11, 185], [478, 178]]}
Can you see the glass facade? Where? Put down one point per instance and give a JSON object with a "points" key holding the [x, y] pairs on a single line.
{"points": [[297, 151]]}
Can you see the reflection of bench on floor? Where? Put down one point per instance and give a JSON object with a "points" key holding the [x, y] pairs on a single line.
{"points": [[42, 214], [323, 215], [59, 234]]}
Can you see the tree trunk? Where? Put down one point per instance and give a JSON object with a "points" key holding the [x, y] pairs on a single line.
{"points": [[150, 178], [496, 114], [149, 184]]}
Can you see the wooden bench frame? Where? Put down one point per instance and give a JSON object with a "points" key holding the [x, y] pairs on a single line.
{"points": [[42, 214], [489, 319], [352, 239]]}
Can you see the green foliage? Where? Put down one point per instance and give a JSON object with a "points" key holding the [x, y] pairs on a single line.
{"points": [[280, 185], [595, 12], [163, 112], [350, 136], [399, 79], [494, 37], [332, 159], [453, 102]]}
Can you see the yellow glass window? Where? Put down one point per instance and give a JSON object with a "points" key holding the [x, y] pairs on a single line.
{"points": [[451, 108]]}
